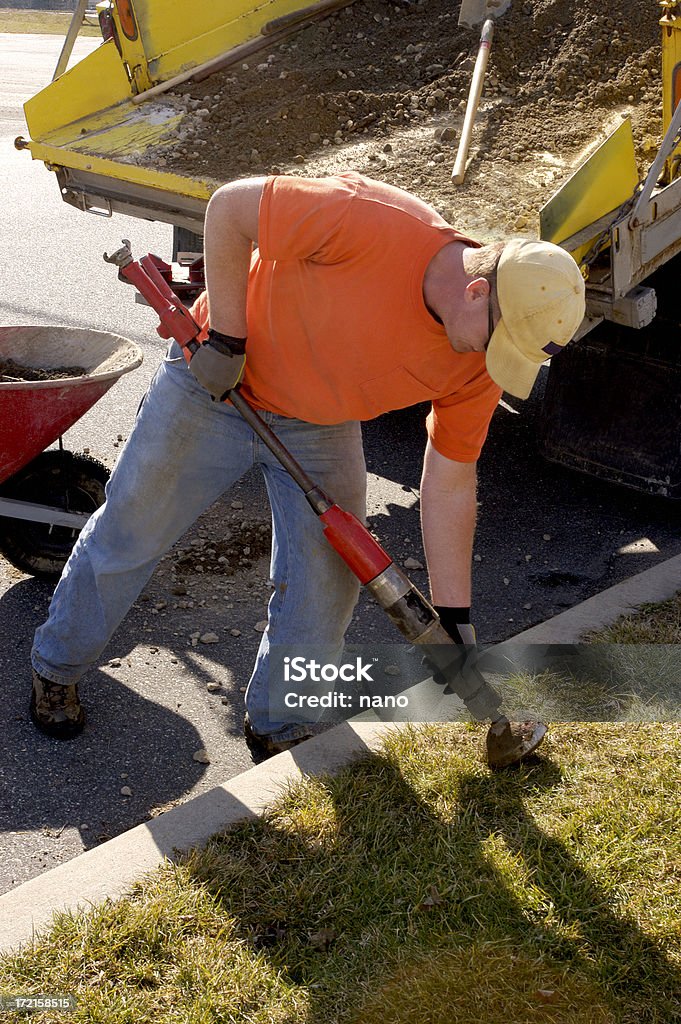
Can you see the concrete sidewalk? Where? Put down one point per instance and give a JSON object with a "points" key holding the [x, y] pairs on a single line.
{"points": [[108, 871]]}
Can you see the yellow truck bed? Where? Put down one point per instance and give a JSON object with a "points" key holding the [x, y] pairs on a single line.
{"points": [[94, 124], [150, 123]]}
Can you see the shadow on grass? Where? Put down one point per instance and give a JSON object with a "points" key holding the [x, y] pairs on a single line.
{"points": [[412, 887], [437, 898]]}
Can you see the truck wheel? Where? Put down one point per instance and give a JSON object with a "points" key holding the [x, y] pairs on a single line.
{"points": [[612, 406], [63, 480]]}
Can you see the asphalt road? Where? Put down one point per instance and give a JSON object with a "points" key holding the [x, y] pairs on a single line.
{"points": [[547, 539]]}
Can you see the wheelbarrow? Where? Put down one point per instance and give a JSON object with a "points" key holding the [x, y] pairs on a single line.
{"points": [[46, 497]]}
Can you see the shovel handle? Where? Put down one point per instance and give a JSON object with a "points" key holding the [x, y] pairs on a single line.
{"points": [[474, 94]]}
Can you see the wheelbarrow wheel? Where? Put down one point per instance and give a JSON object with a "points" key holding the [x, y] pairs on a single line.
{"points": [[63, 480]]}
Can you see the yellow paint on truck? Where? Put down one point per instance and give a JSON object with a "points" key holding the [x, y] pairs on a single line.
{"points": [[87, 120]]}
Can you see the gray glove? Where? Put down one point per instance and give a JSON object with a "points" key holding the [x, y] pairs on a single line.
{"points": [[218, 364]]}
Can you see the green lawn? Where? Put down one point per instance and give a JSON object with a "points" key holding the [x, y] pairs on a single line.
{"points": [[629, 671], [42, 22], [413, 887]]}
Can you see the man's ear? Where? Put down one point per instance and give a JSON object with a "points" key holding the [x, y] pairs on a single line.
{"points": [[477, 290]]}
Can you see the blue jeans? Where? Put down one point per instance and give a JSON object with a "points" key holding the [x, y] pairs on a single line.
{"points": [[182, 454]]}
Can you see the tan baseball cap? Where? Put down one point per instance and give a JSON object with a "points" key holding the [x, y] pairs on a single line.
{"points": [[541, 297]]}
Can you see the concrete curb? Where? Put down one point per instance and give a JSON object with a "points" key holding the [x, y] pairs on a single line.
{"points": [[108, 871]]}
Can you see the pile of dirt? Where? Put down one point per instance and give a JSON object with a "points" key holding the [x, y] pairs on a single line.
{"points": [[10, 372], [381, 88]]}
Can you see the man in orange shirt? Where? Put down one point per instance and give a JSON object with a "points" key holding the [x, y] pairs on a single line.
{"points": [[359, 299]]}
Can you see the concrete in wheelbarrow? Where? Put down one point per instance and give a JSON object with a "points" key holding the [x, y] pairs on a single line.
{"points": [[109, 871]]}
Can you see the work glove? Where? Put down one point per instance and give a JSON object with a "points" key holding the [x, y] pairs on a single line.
{"points": [[218, 363], [455, 621], [507, 743], [460, 674], [463, 635]]}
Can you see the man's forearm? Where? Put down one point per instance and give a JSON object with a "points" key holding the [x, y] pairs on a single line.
{"points": [[448, 516]]}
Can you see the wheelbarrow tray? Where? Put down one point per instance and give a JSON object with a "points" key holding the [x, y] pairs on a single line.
{"points": [[33, 414]]}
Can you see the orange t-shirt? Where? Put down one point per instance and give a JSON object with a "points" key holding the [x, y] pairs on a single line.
{"points": [[337, 325]]}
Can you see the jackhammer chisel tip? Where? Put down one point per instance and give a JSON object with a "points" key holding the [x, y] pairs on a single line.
{"points": [[509, 743]]}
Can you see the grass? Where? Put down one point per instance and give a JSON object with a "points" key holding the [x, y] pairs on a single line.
{"points": [[41, 22], [415, 886], [658, 623], [629, 671]]}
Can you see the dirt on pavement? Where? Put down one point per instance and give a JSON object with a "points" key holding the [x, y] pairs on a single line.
{"points": [[381, 88]]}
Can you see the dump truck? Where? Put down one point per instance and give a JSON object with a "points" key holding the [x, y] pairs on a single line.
{"points": [[576, 141]]}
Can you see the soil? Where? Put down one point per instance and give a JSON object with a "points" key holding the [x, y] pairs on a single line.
{"points": [[11, 371], [215, 582], [381, 88], [241, 543]]}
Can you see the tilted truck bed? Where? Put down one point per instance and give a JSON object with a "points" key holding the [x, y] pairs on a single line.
{"points": [[106, 182], [94, 124], [386, 79], [378, 88]]}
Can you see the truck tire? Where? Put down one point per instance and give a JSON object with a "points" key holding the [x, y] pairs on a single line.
{"points": [[612, 406], [61, 479]]}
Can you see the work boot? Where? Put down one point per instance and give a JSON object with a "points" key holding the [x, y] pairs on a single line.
{"points": [[262, 746], [509, 743], [56, 709]]}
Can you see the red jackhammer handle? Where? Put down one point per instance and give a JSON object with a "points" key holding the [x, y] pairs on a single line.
{"points": [[172, 313]]}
